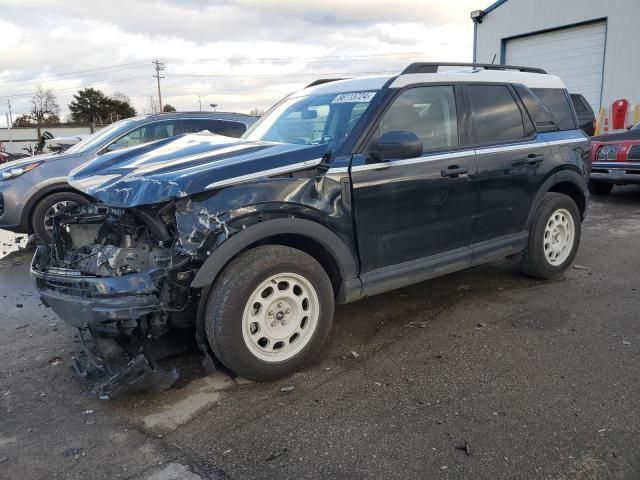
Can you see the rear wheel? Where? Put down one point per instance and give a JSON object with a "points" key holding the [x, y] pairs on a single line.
{"points": [[269, 312], [48, 207], [554, 237], [600, 188]]}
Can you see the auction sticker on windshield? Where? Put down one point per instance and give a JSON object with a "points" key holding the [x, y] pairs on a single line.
{"points": [[354, 97]]}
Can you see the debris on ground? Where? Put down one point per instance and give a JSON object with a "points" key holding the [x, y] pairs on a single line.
{"points": [[275, 455], [626, 342], [480, 325], [580, 267], [464, 447], [19, 305], [4, 459], [74, 453], [416, 324], [290, 388], [23, 326], [88, 412], [354, 354]]}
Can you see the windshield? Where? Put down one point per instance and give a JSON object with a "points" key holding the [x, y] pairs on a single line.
{"points": [[101, 135], [312, 120]]}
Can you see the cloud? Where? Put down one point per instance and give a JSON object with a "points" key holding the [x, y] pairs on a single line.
{"points": [[237, 53]]}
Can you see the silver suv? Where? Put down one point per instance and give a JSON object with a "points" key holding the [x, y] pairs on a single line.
{"points": [[32, 190]]}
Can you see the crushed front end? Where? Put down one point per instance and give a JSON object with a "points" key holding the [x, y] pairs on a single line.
{"points": [[122, 277]]}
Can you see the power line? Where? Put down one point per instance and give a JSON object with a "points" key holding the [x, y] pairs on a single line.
{"points": [[70, 89], [85, 73]]}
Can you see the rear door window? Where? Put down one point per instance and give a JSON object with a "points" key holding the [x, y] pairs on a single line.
{"points": [[148, 133], [221, 127], [495, 114], [557, 101]]}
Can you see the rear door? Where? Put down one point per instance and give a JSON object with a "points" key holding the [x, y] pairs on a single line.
{"points": [[410, 209], [510, 160]]}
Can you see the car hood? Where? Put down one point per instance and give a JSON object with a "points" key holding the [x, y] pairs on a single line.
{"points": [[36, 158], [186, 165], [618, 137]]}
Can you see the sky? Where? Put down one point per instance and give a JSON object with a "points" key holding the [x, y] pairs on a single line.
{"points": [[238, 54]]}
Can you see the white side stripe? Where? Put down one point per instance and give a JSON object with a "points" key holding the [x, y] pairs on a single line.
{"points": [[265, 173], [409, 161], [461, 153]]}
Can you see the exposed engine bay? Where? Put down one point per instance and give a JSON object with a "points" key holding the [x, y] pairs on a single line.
{"points": [[128, 273]]}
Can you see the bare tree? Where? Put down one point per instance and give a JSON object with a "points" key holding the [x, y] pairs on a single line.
{"points": [[44, 107], [258, 112], [121, 97]]}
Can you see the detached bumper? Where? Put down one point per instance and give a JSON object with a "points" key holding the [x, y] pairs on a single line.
{"points": [[616, 172], [102, 304]]}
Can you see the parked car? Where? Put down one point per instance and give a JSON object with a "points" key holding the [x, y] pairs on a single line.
{"points": [[34, 189], [343, 190], [584, 112], [615, 160]]}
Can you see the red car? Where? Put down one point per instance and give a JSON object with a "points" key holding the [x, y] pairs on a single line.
{"points": [[615, 160]]}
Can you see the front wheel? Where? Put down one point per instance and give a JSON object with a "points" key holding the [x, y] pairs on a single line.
{"points": [[269, 312], [49, 207], [554, 237]]}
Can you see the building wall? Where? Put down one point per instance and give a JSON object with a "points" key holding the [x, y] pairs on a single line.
{"points": [[15, 139], [621, 77]]}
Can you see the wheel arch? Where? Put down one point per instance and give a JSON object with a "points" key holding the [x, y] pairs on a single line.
{"points": [[567, 182], [310, 237], [27, 212]]}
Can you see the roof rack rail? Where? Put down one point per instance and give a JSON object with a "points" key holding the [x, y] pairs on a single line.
{"points": [[320, 81], [432, 67]]}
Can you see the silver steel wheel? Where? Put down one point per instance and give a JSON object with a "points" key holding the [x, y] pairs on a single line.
{"points": [[559, 235], [52, 211], [280, 317]]}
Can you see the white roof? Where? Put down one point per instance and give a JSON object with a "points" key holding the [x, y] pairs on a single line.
{"points": [[531, 80]]}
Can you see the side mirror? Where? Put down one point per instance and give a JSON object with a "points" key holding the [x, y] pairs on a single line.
{"points": [[398, 145], [115, 146]]}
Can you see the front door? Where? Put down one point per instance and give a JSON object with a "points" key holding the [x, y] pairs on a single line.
{"points": [[410, 209]]}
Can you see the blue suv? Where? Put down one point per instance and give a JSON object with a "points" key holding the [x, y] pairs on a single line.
{"points": [[342, 190]]}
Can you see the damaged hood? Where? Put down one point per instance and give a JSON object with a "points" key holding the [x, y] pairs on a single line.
{"points": [[181, 166]]}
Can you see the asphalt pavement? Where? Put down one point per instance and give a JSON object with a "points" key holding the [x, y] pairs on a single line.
{"points": [[482, 374]]}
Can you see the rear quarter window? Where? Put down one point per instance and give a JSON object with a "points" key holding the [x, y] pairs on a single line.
{"points": [[221, 127], [557, 101]]}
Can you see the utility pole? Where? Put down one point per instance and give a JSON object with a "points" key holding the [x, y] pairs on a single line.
{"points": [[200, 102], [10, 126], [159, 66]]}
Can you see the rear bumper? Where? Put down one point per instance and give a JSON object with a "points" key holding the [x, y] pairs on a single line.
{"points": [[107, 305], [616, 172]]}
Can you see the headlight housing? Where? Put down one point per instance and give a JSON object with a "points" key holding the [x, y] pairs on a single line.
{"points": [[608, 152], [10, 172]]}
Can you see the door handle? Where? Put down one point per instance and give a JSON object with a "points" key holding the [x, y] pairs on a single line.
{"points": [[534, 159], [454, 171]]}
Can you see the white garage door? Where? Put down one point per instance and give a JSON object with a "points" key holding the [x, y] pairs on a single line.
{"points": [[575, 54]]}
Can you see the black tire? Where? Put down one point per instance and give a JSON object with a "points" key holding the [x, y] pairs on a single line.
{"points": [[40, 212], [231, 293], [600, 188], [534, 261]]}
